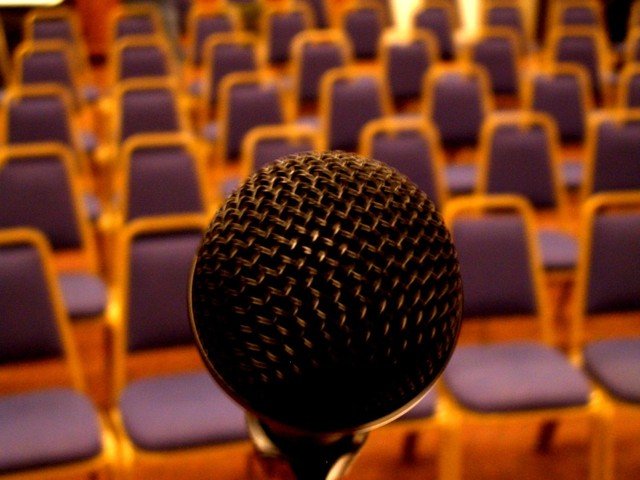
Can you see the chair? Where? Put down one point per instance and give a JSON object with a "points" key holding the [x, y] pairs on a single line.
{"points": [[50, 429], [525, 378], [39, 189], [59, 23], [247, 100], [576, 13], [263, 145], [5, 61], [583, 46], [205, 20], [140, 57], [405, 60], [363, 22], [611, 160], [53, 61], [457, 99], [604, 325], [279, 24], [159, 174], [520, 155], [321, 13], [349, 98], [166, 413], [629, 87], [631, 47], [313, 53], [497, 51], [562, 91], [413, 148], [225, 53], [141, 105], [437, 17], [506, 14], [134, 19], [44, 113]]}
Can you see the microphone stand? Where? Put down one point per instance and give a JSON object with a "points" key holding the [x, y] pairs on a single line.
{"points": [[310, 457]]}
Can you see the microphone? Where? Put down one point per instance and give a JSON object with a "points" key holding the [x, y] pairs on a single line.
{"points": [[325, 299]]}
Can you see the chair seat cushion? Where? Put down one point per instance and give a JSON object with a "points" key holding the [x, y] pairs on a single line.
{"points": [[514, 377], [84, 294], [615, 364], [559, 250], [180, 411], [210, 131], [572, 173], [46, 428], [461, 178], [425, 408]]}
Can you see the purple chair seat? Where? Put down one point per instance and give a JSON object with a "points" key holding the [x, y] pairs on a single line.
{"points": [[559, 250], [572, 173], [47, 428], [514, 377], [180, 411], [89, 141], [615, 364], [425, 408], [462, 178], [84, 294], [210, 131], [93, 206]]}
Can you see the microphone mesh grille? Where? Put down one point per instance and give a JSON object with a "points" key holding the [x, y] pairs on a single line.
{"points": [[326, 294]]}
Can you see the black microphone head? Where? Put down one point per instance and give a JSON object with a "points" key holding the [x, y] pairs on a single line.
{"points": [[326, 294]]}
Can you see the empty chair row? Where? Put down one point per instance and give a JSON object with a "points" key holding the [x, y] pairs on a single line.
{"points": [[189, 414]]}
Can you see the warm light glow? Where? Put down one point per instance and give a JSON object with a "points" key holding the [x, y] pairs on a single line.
{"points": [[469, 15], [30, 3], [403, 13]]}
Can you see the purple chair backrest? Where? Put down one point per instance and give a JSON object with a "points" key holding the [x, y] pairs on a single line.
{"points": [[583, 51], [520, 162], [230, 58], [617, 157], [251, 105], [409, 153], [53, 29], [354, 102], [437, 21], [614, 263], [135, 25], [458, 109], [39, 119], [163, 180], [498, 57], [494, 264], [318, 58], [319, 9], [363, 26], [284, 26], [27, 320], [37, 193], [208, 25], [561, 97], [632, 99], [47, 67], [159, 270], [579, 15], [406, 67], [269, 150], [506, 16], [147, 111], [143, 61]]}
